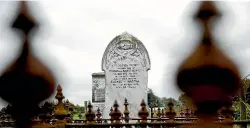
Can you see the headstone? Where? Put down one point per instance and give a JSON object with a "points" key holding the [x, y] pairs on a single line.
{"points": [[98, 87], [125, 63]]}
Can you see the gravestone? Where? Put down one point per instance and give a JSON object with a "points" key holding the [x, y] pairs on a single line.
{"points": [[98, 87], [98, 91], [125, 63]]}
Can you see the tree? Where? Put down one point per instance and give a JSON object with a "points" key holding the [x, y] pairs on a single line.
{"points": [[156, 101], [186, 101], [152, 98], [78, 109], [177, 104], [167, 100], [245, 85], [47, 107], [242, 99]]}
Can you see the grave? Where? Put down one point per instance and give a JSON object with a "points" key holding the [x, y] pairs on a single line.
{"points": [[98, 90], [98, 87], [125, 63]]}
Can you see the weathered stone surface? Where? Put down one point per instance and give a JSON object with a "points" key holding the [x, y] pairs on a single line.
{"points": [[98, 87], [125, 63]]}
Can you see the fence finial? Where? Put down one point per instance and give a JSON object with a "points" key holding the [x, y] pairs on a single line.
{"points": [[143, 113], [170, 112], [60, 111], [162, 112], [24, 20], [187, 113], [208, 69], [26, 82], [126, 111], [158, 109], [90, 115], [110, 114], [207, 10], [182, 113], [116, 114], [98, 115]]}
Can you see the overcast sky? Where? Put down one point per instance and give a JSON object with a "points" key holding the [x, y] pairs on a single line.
{"points": [[74, 34]]}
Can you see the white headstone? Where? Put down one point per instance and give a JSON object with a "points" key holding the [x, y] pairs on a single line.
{"points": [[125, 63], [98, 87]]}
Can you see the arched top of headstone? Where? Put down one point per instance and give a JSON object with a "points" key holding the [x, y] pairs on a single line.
{"points": [[123, 46]]}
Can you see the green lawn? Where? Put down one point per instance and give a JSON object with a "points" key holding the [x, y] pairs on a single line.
{"points": [[76, 116]]}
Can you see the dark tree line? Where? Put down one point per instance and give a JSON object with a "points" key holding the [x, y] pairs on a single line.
{"points": [[46, 107], [156, 101]]}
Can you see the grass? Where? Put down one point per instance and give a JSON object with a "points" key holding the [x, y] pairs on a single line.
{"points": [[76, 116]]}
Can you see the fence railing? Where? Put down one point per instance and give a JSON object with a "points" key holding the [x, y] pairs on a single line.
{"points": [[150, 123]]}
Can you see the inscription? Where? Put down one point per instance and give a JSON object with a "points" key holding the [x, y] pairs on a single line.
{"points": [[125, 75], [98, 89], [99, 95]]}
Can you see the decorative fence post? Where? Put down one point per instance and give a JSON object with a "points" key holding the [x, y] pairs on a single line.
{"points": [[69, 106], [158, 109], [98, 115], [208, 75], [126, 112], [182, 113], [171, 112], [90, 115], [60, 111], [187, 113], [116, 114], [162, 113], [110, 114], [143, 113], [27, 81]]}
